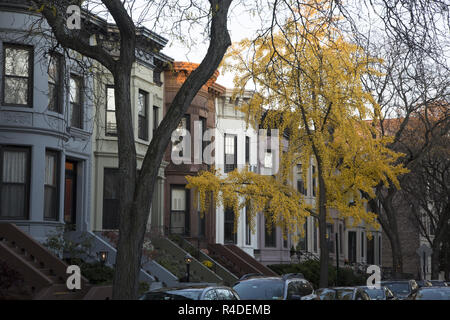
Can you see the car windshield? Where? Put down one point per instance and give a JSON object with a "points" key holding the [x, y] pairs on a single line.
{"points": [[433, 294], [260, 289], [375, 294], [344, 294], [401, 288], [193, 294]]}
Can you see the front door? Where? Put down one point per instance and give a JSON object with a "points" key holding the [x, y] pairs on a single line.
{"points": [[70, 193]]}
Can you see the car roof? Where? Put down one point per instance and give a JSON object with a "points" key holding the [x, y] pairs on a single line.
{"points": [[191, 287]]}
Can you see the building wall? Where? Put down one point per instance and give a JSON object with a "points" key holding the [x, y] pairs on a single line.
{"points": [[201, 106], [231, 121], [105, 146], [40, 129]]}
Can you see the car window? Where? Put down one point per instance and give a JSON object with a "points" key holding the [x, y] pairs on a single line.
{"points": [[433, 294], [375, 294], [211, 295], [225, 294], [401, 288], [260, 289], [326, 294], [293, 289], [344, 294]]}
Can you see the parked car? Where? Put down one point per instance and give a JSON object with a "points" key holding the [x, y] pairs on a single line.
{"points": [[401, 288], [201, 292], [350, 293], [326, 294], [424, 283], [383, 293], [438, 283], [287, 287], [431, 293]]}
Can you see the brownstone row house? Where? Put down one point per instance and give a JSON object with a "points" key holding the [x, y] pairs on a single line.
{"points": [[181, 213]]}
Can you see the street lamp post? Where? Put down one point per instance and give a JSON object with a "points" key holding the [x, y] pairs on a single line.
{"points": [[187, 260]]}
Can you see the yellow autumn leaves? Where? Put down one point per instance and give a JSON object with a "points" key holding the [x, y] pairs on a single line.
{"points": [[308, 82]]}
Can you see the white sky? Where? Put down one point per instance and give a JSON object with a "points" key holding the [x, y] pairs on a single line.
{"points": [[240, 27]]}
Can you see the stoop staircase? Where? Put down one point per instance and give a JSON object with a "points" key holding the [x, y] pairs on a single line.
{"points": [[237, 261], [44, 274]]}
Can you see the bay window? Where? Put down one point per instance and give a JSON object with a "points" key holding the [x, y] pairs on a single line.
{"points": [[17, 75]]}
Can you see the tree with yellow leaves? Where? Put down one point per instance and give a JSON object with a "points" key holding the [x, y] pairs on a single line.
{"points": [[308, 83]]}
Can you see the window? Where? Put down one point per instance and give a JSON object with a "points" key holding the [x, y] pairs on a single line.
{"points": [[248, 229], [362, 244], [55, 68], [17, 75], [247, 150], [314, 180], [303, 241], [204, 128], [270, 240], [352, 246], [14, 182], [111, 123], [230, 152], [371, 250], [155, 119], [229, 235], [51, 195], [330, 238], [157, 76], [179, 213], [142, 115], [179, 145], [111, 191], [76, 102], [300, 183]]}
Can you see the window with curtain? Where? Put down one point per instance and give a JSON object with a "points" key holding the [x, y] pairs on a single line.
{"points": [[51, 207], [111, 123], [17, 75], [179, 210], [230, 152], [76, 102], [54, 83], [14, 186], [142, 115]]}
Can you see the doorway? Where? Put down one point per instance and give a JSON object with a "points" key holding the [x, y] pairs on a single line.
{"points": [[70, 194]]}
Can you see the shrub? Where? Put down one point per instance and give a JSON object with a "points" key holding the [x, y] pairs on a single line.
{"points": [[97, 273]]}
